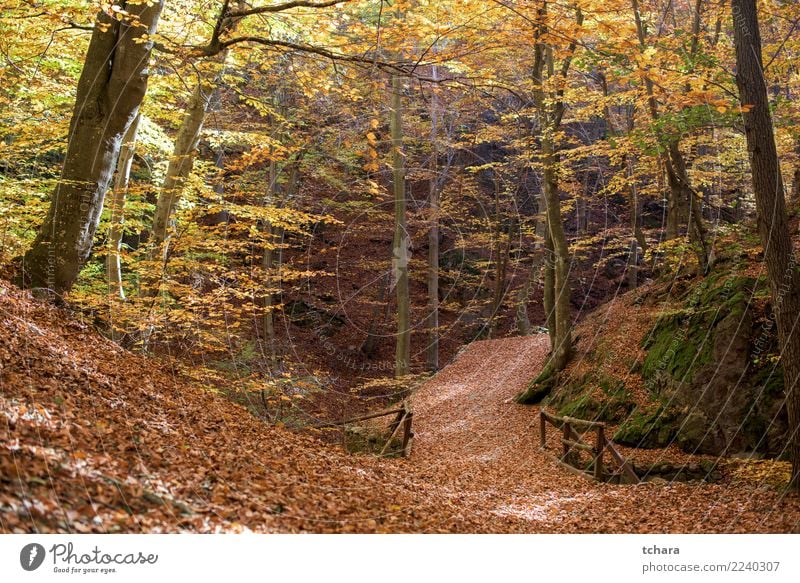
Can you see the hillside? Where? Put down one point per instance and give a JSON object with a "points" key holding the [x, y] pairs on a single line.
{"points": [[97, 439]]}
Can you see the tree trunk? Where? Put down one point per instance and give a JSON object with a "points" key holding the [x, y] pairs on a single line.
{"points": [[796, 176], [638, 240], [401, 244], [117, 219], [550, 110], [683, 207], [542, 254], [549, 292], [501, 268], [581, 219], [772, 220], [188, 138], [562, 347], [181, 163], [268, 265], [524, 327], [432, 320], [677, 212], [111, 88], [637, 236]]}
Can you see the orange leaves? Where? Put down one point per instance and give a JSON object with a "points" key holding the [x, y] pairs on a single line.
{"points": [[271, 151], [371, 151]]}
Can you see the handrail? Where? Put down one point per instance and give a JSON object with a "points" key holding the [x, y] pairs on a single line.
{"points": [[573, 440], [404, 419]]}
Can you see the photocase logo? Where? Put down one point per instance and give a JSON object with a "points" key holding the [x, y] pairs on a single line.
{"points": [[31, 556]]}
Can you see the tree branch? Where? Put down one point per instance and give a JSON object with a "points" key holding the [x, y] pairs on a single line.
{"points": [[285, 6], [403, 68]]}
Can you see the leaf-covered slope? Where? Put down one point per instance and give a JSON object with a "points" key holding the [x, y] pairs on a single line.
{"points": [[94, 438]]}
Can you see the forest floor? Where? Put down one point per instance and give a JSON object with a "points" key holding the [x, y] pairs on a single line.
{"points": [[479, 449], [97, 439]]}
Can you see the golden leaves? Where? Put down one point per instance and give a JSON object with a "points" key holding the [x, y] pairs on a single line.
{"points": [[371, 151]]}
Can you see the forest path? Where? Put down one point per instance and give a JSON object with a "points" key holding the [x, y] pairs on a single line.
{"points": [[477, 446], [476, 452]]}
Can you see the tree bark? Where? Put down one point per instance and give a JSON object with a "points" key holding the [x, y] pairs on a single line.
{"points": [[401, 244], [432, 320], [772, 219], [181, 162], [117, 219], [549, 292], [111, 88], [524, 327], [562, 346], [542, 263], [503, 246]]}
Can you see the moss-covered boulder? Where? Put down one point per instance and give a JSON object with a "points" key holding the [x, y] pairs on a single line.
{"points": [[700, 356], [655, 427], [700, 361]]}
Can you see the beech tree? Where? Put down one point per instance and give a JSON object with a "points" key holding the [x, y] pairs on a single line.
{"points": [[773, 226], [548, 96], [684, 209], [111, 88], [402, 242], [117, 218]]}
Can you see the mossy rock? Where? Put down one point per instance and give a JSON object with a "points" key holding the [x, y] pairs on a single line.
{"points": [[648, 429], [677, 347], [699, 434], [768, 378], [682, 341], [583, 407]]}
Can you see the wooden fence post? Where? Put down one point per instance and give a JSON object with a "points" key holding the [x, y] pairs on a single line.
{"points": [[566, 438], [598, 459], [407, 435]]}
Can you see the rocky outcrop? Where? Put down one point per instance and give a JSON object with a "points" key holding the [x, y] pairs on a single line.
{"points": [[711, 380]]}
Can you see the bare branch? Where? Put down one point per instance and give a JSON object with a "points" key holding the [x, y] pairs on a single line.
{"points": [[400, 67], [285, 6]]}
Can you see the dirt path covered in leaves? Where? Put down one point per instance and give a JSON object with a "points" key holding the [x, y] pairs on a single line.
{"points": [[96, 439], [478, 449]]}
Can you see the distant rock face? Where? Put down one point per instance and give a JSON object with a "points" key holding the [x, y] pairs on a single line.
{"points": [[710, 372]]}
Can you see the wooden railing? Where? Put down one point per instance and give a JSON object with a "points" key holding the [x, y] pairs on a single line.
{"points": [[572, 431], [404, 418]]}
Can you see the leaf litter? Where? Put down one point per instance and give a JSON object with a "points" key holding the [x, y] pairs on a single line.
{"points": [[97, 439]]}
